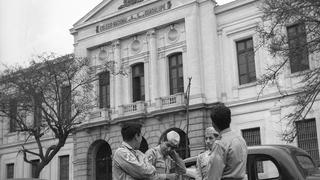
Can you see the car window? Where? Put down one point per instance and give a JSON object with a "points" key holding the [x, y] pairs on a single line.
{"points": [[266, 169], [305, 162]]}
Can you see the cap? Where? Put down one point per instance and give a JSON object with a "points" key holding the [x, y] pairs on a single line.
{"points": [[173, 137], [211, 130]]}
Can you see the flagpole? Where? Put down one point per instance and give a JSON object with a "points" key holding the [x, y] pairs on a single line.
{"points": [[187, 97]]}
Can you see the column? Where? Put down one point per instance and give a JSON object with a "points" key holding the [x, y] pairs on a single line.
{"points": [[193, 54], [153, 65], [117, 77]]}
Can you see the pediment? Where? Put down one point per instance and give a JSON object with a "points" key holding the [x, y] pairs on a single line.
{"points": [[106, 8]]}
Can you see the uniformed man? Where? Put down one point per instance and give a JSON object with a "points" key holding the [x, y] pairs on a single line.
{"points": [[203, 158], [128, 162], [229, 154], [165, 159]]}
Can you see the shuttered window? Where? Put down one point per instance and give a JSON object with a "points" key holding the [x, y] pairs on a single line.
{"points": [[246, 64], [176, 73], [298, 51], [104, 90], [138, 82]]}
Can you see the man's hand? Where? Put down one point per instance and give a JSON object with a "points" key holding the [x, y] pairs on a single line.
{"points": [[172, 176], [173, 154]]}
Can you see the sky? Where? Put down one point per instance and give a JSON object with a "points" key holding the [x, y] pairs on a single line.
{"points": [[30, 27]]}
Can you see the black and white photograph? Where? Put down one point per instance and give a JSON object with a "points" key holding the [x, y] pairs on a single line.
{"points": [[159, 89]]}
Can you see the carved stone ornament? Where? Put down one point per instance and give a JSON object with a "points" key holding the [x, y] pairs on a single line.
{"points": [[127, 3], [103, 55], [136, 46], [173, 34]]}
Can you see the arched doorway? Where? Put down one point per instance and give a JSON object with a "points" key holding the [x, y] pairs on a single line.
{"points": [[183, 149], [99, 161], [144, 145], [103, 162]]}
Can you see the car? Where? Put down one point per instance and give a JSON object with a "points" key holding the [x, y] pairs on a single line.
{"points": [[276, 162]]}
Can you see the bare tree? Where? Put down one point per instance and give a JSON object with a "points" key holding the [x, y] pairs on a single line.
{"points": [[56, 92], [290, 30]]}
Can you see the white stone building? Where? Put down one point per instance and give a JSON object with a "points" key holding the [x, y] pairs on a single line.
{"points": [[159, 44]]}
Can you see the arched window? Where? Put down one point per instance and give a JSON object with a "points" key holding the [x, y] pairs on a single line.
{"points": [[103, 162], [176, 73], [138, 92], [183, 150]]}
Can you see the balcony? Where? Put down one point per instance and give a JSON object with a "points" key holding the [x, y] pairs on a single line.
{"points": [[132, 109], [174, 100], [98, 114]]}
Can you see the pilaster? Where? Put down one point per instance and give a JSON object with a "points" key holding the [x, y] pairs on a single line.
{"points": [[193, 53], [153, 65], [117, 77]]}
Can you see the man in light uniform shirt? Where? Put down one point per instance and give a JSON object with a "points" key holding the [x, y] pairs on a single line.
{"points": [[203, 158], [128, 162], [229, 154], [165, 159]]}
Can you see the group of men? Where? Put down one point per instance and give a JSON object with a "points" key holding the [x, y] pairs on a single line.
{"points": [[224, 159]]}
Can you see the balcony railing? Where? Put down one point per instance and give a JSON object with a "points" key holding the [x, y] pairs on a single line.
{"points": [[134, 108], [171, 101], [99, 115]]}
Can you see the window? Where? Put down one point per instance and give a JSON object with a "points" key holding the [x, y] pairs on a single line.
{"points": [[66, 102], [298, 51], [246, 64], [252, 136], [307, 137], [13, 110], [104, 90], [10, 170], [138, 82], [34, 167], [64, 167], [176, 73], [37, 112], [270, 170]]}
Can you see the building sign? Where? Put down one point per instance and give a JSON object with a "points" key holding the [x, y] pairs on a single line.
{"points": [[133, 17]]}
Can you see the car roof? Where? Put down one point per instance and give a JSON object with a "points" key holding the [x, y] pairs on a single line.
{"points": [[276, 148], [273, 149]]}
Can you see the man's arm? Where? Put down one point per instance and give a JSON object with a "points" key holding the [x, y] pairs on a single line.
{"points": [[216, 163], [152, 158], [180, 166], [198, 168], [132, 166]]}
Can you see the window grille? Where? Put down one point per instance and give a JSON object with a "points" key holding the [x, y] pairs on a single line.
{"points": [[10, 171], [246, 64], [307, 137], [252, 136]]}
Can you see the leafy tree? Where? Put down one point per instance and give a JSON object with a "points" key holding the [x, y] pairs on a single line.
{"points": [[56, 92], [302, 17]]}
